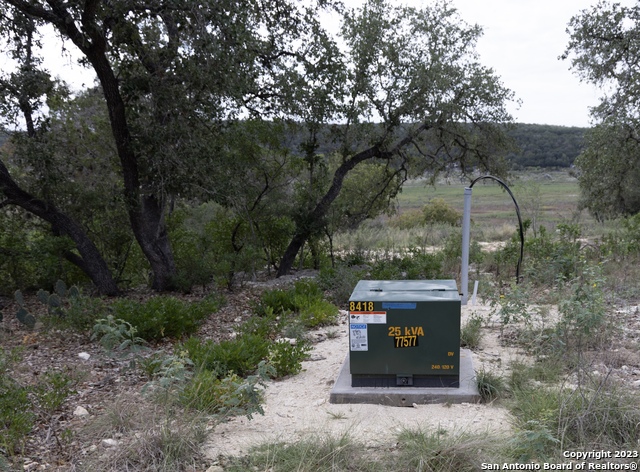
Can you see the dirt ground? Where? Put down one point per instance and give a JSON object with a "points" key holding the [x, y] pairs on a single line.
{"points": [[299, 407], [296, 407]]}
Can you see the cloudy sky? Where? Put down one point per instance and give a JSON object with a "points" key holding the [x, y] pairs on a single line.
{"points": [[522, 42]]}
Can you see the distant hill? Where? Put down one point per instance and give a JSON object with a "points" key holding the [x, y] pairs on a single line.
{"points": [[546, 145], [538, 145]]}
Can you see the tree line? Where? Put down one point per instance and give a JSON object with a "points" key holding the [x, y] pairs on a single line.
{"points": [[193, 112], [193, 104]]}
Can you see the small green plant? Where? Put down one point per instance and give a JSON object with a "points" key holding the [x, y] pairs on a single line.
{"points": [[583, 312], [240, 356], [513, 306], [339, 282], [230, 395], [66, 307], [164, 316], [53, 390], [80, 313], [439, 450], [534, 442], [116, 335], [166, 372], [17, 416], [310, 454], [471, 332], [490, 385], [305, 299], [286, 358]]}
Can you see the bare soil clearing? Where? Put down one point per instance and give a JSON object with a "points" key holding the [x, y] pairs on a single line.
{"points": [[298, 407]]}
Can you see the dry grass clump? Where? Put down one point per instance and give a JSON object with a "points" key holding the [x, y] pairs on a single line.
{"points": [[144, 436]]}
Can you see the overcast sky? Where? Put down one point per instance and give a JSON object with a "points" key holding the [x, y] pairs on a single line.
{"points": [[522, 42]]}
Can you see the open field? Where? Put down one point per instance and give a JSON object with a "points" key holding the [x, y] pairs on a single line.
{"points": [[550, 197]]}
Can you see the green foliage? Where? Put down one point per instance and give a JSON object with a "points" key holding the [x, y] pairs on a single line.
{"points": [[229, 395], [491, 386], [240, 356], [441, 451], [116, 334], [66, 308], [317, 453], [533, 442], [545, 145], [513, 306], [597, 413], [609, 164], [305, 299], [416, 264], [339, 282], [164, 316], [408, 219], [471, 332], [286, 357], [30, 257], [80, 313], [549, 259], [17, 416], [583, 312], [22, 314], [439, 211], [257, 341], [53, 390]]}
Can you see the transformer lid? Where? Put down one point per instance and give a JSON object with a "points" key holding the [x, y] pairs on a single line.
{"points": [[406, 286], [405, 296]]}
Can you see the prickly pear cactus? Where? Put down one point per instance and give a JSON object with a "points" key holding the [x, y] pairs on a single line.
{"points": [[60, 288], [22, 314], [25, 318], [43, 296], [19, 298]]}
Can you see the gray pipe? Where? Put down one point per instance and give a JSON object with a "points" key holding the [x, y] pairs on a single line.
{"points": [[466, 228]]}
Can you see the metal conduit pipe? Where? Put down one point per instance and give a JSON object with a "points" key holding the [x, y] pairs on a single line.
{"points": [[466, 230]]}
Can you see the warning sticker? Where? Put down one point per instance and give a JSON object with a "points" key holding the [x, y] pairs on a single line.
{"points": [[358, 337], [369, 317]]}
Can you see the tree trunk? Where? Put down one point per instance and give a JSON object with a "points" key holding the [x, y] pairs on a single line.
{"points": [[313, 220], [90, 260], [151, 233], [146, 212]]}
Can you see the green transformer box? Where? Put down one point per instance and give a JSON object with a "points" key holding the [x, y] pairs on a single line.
{"points": [[404, 333]]}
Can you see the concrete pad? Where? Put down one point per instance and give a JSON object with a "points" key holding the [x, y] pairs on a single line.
{"points": [[343, 392]]}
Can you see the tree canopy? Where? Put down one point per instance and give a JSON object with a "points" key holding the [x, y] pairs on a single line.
{"points": [[604, 49], [197, 101]]}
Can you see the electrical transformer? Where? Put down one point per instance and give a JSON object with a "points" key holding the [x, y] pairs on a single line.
{"points": [[404, 333]]}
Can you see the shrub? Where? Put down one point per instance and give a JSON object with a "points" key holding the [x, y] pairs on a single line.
{"points": [[240, 356], [597, 413], [229, 395], [470, 333], [164, 316], [116, 334], [408, 219], [439, 211], [339, 281], [416, 264], [583, 312], [304, 299], [286, 358]]}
